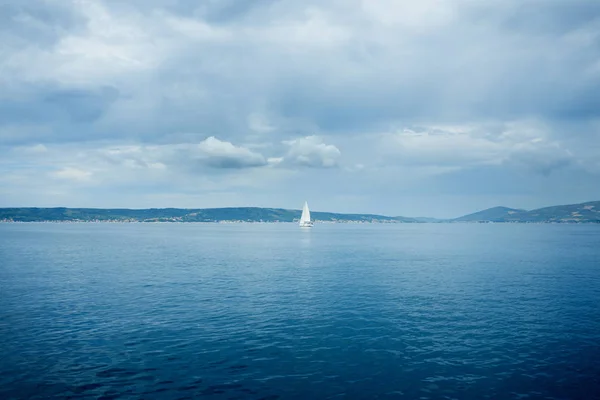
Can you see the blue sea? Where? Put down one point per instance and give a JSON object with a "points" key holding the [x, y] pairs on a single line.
{"points": [[272, 311]]}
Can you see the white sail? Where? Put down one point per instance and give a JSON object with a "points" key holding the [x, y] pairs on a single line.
{"points": [[305, 218], [305, 213]]}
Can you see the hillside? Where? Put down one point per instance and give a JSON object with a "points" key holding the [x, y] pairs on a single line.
{"points": [[583, 212], [491, 214], [572, 213], [244, 214]]}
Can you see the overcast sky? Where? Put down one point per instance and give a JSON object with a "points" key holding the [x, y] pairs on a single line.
{"points": [[415, 108]]}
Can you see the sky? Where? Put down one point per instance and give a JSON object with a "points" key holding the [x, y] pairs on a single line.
{"points": [[432, 108]]}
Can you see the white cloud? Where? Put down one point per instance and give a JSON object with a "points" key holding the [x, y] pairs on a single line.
{"points": [[522, 143], [311, 151], [72, 174], [33, 149], [220, 154], [440, 148], [259, 123], [208, 153]]}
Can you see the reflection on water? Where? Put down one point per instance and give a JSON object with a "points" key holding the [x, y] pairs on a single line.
{"points": [[306, 236]]}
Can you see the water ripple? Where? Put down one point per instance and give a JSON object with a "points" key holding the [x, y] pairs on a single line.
{"points": [[202, 311]]}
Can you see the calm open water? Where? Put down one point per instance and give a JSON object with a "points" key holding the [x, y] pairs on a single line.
{"points": [[266, 311]]}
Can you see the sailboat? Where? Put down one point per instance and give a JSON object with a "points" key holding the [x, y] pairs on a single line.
{"points": [[305, 221]]}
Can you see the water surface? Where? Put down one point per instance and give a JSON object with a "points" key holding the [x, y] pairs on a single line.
{"points": [[250, 311]]}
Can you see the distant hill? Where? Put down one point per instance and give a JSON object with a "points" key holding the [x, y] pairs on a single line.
{"points": [[491, 214], [240, 214], [572, 213], [583, 212]]}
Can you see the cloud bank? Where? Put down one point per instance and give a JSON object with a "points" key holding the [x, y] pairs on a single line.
{"points": [[391, 106]]}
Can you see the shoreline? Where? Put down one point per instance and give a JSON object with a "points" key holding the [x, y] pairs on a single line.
{"points": [[230, 222]]}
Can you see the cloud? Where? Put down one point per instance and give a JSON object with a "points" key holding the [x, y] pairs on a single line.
{"points": [[440, 147], [33, 149], [541, 157], [361, 66], [161, 95], [310, 151], [522, 143], [74, 174], [220, 154], [210, 153], [259, 123]]}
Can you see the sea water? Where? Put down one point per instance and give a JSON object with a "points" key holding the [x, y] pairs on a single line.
{"points": [[266, 311]]}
